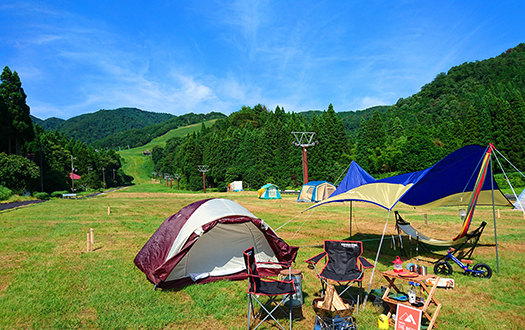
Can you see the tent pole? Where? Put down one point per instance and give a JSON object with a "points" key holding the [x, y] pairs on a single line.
{"points": [[375, 262], [494, 212]]}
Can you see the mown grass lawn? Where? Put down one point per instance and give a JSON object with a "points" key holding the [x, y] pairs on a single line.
{"points": [[49, 281]]}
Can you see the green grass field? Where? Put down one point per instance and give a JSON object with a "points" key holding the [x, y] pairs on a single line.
{"points": [[49, 281]]}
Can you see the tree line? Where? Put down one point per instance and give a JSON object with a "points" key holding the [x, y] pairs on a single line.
{"points": [[35, 160], [474, 103]]}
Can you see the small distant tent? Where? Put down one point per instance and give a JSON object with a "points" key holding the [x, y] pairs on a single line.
{"points": [[204, 241], [315, 191], [269, 191], [235, 186], [519, 204]]}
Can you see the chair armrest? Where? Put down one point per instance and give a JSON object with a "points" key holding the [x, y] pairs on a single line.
{"points": [[365, 263], [271, 279], [314, 260], [283, 264]]}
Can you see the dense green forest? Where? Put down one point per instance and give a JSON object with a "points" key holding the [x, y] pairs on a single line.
{"points": [[35, 160], [103, 123], [137, 137], [351, 119], [473, 103], [122, 127]]}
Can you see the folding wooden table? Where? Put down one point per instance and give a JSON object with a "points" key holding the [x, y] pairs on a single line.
{"points": [[430, 300]]}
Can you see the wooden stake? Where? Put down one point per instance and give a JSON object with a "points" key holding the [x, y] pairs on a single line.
{"points": [[498, 214], [92, 236], [426, 220], [109, 210], [88, 242]]}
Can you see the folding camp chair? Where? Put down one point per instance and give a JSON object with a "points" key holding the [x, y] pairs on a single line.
{"points": [[271, 288], [343, 265]]}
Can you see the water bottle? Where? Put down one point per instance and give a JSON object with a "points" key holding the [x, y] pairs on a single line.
{"points": [[412, 293]]}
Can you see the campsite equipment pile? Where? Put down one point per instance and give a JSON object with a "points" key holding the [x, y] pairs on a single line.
{"points": [[333, 312]]}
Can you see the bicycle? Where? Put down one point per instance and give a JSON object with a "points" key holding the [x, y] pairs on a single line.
{"points": [[445, 268]]}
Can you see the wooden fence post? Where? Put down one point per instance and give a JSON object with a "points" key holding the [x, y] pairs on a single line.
{"points": [[88, 242]]}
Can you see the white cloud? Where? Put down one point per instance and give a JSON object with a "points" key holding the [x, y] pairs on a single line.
{"points": [[369, 101]]}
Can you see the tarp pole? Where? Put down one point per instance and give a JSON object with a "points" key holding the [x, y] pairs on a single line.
{"points": [[375, 262], [351, 202], [494, 212]]}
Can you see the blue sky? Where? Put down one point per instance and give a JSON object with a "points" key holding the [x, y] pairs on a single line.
{"points": [[77, 57]]}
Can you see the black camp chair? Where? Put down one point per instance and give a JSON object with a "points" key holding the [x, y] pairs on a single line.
{"points": [[343, 265], [271, 288]]}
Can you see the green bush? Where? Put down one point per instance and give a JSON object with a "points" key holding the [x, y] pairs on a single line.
{"points": [[41, 195], [18, 173], [516, 180], [59, 193], [5, 193]]}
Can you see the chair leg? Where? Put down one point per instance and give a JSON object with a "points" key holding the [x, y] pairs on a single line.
{"points": [[290, 302], [249, 310]]}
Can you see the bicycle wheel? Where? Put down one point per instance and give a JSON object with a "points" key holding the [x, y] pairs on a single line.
{"points": [[484, 270], [442, 268]]}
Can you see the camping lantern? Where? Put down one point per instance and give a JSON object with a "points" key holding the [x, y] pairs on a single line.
{"points": [[398, 265]]}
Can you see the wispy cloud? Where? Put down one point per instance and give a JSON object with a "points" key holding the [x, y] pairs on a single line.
{"points": [[216, 55]]}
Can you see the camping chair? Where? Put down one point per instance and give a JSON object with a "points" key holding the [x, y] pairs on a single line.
{"points": [[343, 265], [271, 288]]}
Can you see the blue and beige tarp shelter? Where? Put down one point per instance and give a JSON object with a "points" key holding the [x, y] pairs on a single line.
{"points": [[463, 178], [269, 191], [315, 191], [355, 177], [450, 182]]}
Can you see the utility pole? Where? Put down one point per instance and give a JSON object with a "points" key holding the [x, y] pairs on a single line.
{"points": [[41, 172], [72, 175], [204, 169], [177, 176], [304, 140]]}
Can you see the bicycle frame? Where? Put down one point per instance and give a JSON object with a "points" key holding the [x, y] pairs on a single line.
{"points": [[460, 264]]}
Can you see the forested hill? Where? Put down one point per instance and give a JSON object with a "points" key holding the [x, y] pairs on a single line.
{"points": [[137, 137], [351, 119], [473, 103], [94, 126]]}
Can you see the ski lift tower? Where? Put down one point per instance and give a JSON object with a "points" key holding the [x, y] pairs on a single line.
{"points": [[177, 176], [304, 140], [204, 169]]}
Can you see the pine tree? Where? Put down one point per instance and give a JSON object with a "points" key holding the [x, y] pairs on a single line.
{"points": [[18, 125], [362, 146], [471, 133]]}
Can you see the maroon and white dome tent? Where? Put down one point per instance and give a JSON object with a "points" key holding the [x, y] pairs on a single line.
{"points": [[204, 241]]}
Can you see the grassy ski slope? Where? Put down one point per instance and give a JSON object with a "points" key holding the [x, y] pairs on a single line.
{"points": [[140, 166]]}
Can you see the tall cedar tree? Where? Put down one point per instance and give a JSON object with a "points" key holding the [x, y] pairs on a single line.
{"points": [[18, 126]]}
